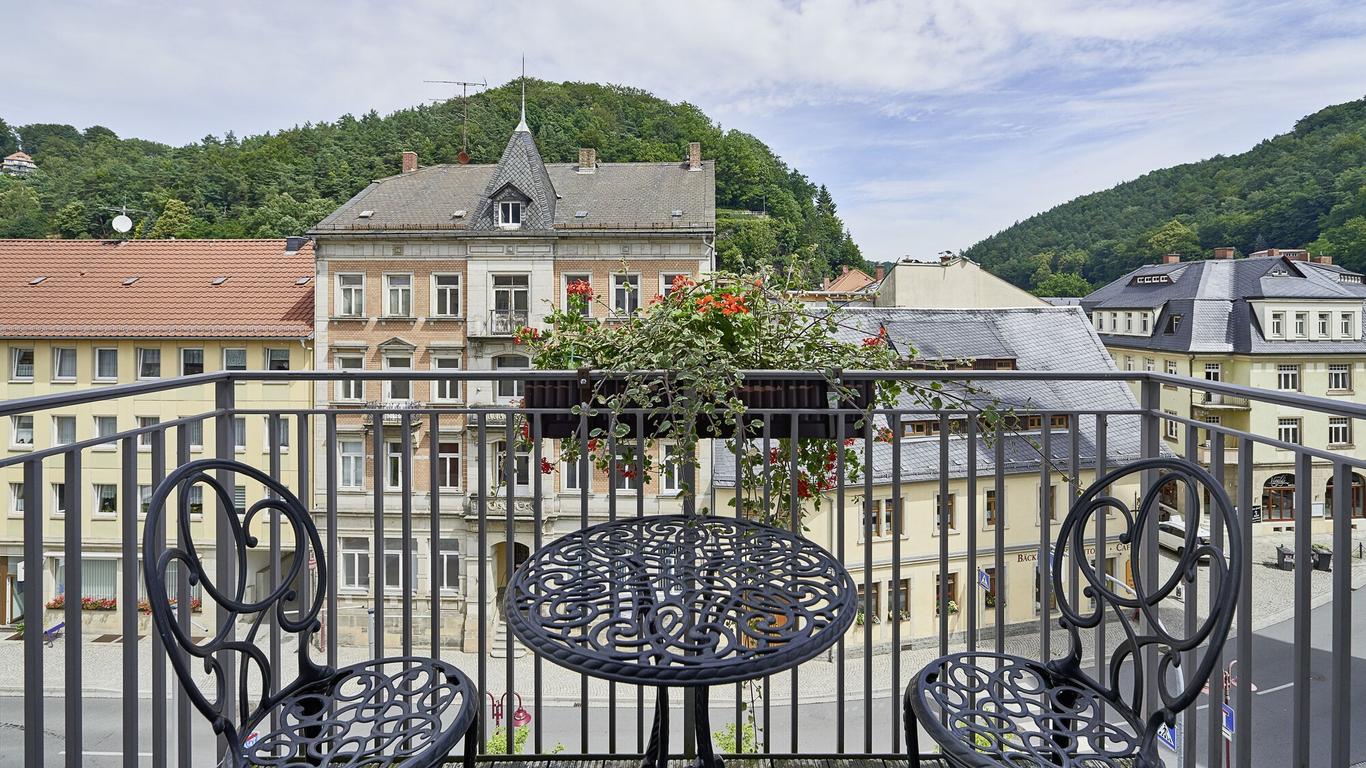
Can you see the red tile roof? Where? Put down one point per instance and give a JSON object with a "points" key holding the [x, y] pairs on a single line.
{"points": [[83, 294]]}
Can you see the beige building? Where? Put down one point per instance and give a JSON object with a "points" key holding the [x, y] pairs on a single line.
{"points": [[953, 282], [1275, 320], [436, 269], [86, 314]]}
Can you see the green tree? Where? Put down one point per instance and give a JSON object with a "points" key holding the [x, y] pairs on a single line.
{"points": [[175, 221], [1345, 243], [9, 142], [1173, 237], [1063, 284], [72, 221], [21, 215]]}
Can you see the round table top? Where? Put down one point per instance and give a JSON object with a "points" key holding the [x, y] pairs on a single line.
{"points": [[680, 600]]}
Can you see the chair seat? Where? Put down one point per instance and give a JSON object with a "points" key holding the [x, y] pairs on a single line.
{"points": [[988, 709], [405, 710]]}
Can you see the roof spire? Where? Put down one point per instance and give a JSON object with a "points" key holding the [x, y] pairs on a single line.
{"points": [[521, 124]]}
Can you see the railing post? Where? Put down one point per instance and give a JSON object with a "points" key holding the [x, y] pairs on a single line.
{"points": [[225, 393], [33, 612], [1150, 400]]}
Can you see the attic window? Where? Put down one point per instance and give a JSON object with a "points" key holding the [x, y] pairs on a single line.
{"points": [[580, 214], [1173, 324], [510, 214], [676, 213], [302, 281], [37, 280], [365, 214], [459, 214], [218, 280], [129, 280]]}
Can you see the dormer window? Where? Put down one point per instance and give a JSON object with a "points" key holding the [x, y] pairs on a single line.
{"points": [[510, 214]]}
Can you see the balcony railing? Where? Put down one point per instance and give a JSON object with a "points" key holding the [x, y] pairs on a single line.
{"points": [[100, 685], [505, 322]]}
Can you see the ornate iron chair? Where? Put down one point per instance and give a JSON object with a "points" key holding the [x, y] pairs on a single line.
{"points": [[398, 709], [988, 709]]}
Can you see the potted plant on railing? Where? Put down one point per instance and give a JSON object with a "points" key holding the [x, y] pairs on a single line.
{"points": [[676, 372]]}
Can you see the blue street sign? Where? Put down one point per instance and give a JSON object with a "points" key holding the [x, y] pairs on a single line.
{"points": [[1167, 737], [983, 579], [1229, 721]]}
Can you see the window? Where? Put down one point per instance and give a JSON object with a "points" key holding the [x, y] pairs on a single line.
{"points": [[1339, 430], [63, 363], [1214, 372], [627, 477], [1170, 367], [58, 499], [1173, 324], [1288, 376], [145, 439], [239, 433], [1128, 322], [106, 364], [446, 389], [191, 361], [21, 431], [277, 359], [239, 498], [1145, 318], [106, 426], [399, 291], [667, 280], [1301, 324], [194, 435], [671, 470], [398, 389], [98, 578], [446, 295], [106, 499], [234, 359], [448, 464], [149, 363], [351, 295], [510, 388], [989, 504], [510, 214], [1114, 321], [21, 364], [625, 294], [1340, 377], [570, 473], [63, 430], [1288, 430], [1051, 502], [351, 457], [448, 570], [1345, 319], [355, 557], [393, 465], [1169, 426], [1324, 322], [947, 515], [950, 594], [16, 498], [587, 309], [144, 499], [350, 389], [281, 431], [196, 500], [1277, 324], [394, 577], [521, 465], [511, 299], [992, 593], [875, 604], [1149, 364], [1128, 363]]}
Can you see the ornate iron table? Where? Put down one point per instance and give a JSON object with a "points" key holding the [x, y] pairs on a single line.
{"points": [[680, 600]]}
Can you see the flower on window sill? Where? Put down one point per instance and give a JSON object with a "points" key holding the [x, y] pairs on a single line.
{"points": [[580, 288]]}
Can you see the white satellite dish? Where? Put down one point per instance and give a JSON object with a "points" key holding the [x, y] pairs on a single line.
{"points": [[122, 223]]}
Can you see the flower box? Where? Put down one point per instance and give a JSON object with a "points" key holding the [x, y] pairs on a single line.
{"points": [[756, 393]]}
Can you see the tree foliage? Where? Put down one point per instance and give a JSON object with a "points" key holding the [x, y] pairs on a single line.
{"points": [[282, 183], [1303, 188]]}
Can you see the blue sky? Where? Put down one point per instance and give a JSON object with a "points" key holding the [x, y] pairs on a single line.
{"points": [[935, 123]]}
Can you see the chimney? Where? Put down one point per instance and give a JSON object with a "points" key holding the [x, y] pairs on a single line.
{"points": [[409, 162], [1223, 253], [944, 258], [1326, 260], [1171, 258], [694, 155], [1296, 254], [588, 159], [880, 273]]}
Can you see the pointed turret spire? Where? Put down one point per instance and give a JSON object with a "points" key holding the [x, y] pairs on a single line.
{"points": [[521, 124]]}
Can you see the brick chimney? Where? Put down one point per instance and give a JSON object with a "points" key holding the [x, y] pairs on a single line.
{"points": [[409, 162], [880, 272], [694, 155], [588, 159], [1223, 253], [1171, 258], [1326, 260], [1295, 254]]}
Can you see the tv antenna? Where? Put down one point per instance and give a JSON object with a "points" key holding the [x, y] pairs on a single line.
{"points": [[464, 156]]}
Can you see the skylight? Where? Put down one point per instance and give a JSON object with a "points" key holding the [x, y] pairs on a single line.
{"points": [[459, 214], [302, 281], [580, 214], [37, 280], [218, 280], [129, 280], [365, 214], [676, 213]]}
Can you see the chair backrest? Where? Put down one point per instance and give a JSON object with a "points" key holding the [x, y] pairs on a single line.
{"points": [[238, 620], [1139, 529]]}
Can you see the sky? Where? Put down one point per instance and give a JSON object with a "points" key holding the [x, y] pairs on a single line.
{"points": [[934, 123]]}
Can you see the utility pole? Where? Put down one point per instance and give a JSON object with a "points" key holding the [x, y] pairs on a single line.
{"points": [[464, 156]]}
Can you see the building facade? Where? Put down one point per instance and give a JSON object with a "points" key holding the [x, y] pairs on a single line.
{"points": [[1276, 319], [85, 314], [437, 269]]}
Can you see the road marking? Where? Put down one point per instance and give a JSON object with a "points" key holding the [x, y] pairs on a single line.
{"points": [[1280, 687]]}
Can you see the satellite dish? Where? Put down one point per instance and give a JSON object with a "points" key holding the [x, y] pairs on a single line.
{"points": [[122, 224]]}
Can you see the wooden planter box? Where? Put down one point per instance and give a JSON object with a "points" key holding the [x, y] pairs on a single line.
{"points": [[755, 393]]}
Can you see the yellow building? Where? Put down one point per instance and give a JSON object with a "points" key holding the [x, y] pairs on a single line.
{"points": [[88, 314]]}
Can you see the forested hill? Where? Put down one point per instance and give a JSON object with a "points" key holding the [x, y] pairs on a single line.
{"points": [[281, 183], [1305, 188]]}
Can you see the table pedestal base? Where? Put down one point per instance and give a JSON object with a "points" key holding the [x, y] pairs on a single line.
{"points": [[657, 752]]}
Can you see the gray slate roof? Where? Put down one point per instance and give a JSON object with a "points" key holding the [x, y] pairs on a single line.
{"points": [[1212, 298], [1039, 339], [615, 197]]}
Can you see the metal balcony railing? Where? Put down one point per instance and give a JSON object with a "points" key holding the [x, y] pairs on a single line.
{"points": [[421, 501], [505, 322]]}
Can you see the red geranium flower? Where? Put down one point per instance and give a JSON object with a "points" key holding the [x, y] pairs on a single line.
{"points": [[546, 467]]}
